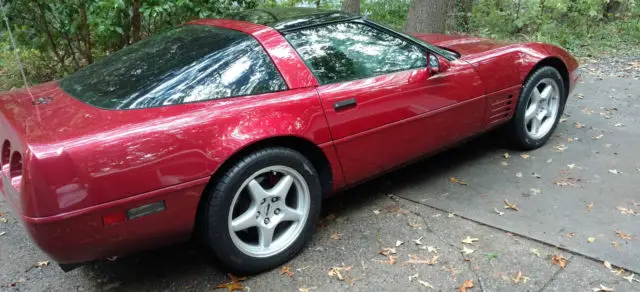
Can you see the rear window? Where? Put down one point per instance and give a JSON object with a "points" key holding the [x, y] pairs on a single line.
{"points": [[187, 64]]}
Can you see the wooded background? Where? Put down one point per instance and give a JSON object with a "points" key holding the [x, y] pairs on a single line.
{"points": [[55, 38]]}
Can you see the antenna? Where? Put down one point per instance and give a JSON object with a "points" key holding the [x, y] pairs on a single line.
{"points": [[15, 49]]}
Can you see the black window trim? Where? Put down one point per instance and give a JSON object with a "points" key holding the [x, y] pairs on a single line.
{"points": [[357, 20]]}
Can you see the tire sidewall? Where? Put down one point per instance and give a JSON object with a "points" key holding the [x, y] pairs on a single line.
{"points": [[519, 129], [217, 234]]}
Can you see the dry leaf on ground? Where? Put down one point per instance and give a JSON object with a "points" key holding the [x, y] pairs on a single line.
{"points": [[623, 235], [506, 155], [559, 260], [535, 252], [286, 270], [560, 148], [465, 250], [426, 284], [571, 234], [602, 289], [614, 171], [457, 181], [525, 156], [469, 240], [467, 284], [607, 265], [519, 174], [399, 243], [234, 285], [625, 211], [570, 182], [391, 260], [520, 278], [336, 235], [589, 206], [415, 276], [337, 272], [414, 259], [504, 163], [578, 125], [387, 251], [498, 212], [630, 278], [418, 241], [513, 206], [591, 239], [305, 289], [598, 137]]}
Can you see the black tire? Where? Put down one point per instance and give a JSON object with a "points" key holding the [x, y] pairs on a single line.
{"points": [[213, 224], [516, 130]]}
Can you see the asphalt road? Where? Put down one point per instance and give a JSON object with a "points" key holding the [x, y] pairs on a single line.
{"points": [[570, 196]]}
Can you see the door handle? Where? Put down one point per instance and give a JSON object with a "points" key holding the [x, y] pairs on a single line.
{"points": [[345, 104]]}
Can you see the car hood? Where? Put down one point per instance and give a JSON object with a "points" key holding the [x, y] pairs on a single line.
{"points": [[464, 45]]}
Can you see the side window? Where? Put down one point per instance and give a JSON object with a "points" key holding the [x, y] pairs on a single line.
{"points": [[349, 51]]}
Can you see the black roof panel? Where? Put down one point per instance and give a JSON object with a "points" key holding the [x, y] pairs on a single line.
{"points": [[291, 18]]}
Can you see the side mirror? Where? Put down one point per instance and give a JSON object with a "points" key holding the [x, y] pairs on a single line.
{"points": [[434, 64]]}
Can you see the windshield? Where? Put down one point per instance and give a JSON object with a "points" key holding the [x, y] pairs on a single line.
{"points": [[187, 64]]}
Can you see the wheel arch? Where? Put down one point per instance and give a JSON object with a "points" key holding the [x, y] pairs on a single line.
{"points": [[556, 63]]}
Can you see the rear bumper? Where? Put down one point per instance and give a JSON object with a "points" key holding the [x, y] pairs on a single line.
{"points": [[80, 236]]}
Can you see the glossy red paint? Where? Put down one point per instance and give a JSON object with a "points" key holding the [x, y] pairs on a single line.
{"points": [[81, 163]]}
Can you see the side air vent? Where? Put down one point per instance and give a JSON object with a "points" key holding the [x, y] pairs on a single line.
{"points": [[6, 152], [500, 108]]}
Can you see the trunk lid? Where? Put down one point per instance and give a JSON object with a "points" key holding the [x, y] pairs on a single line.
{"points": [[464, 45]]}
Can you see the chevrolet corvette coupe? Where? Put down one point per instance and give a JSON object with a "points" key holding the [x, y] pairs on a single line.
{"points": [[234, 130]]}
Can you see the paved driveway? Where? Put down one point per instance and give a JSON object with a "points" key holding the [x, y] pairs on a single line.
{"points": [[577, 197]]}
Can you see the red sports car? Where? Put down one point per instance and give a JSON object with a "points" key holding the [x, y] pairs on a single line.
{"points": [[236, 129]]}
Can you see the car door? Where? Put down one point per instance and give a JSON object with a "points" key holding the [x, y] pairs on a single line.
{"points": [[383, 105]]}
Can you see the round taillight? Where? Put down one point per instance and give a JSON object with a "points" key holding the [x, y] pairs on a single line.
{"points": [[6, 152], [15, 168]]}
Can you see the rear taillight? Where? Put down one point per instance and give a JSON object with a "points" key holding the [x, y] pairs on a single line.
{"points": [[6, 152]]}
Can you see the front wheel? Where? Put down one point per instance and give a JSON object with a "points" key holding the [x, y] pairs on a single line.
{"points": [[539, 109], [262, 212]]}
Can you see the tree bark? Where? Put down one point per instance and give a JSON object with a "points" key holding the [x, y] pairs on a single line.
{"points": [[352, 6], [318, 4], [466, 9], [136, 21], [428, 16], [86, 35]]}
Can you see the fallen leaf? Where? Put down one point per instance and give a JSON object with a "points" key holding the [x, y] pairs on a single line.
{"points": [[506, 155], [513, 206], [336, 235], [580, 96], [589, 206], [465, 285], [520, 278], [559, 260], [418, 241], [591, 239], [614, 171], [623, 235], [571, 234], [519, 174], [549, 160], [536, 175], [413, 277], [432, 249], [491, 256], [619, 125], [560, 148], [597, 137], [376, 211], [3, 220], [234, 285], [571, 166], [630, 278], [387, 251], [562, 120], [504, 163], [451, 215], [618, 271], [41, 264], [457, 181], [607, 265], [305, 289], [414, 259], [535, 252], [570, 182], [414, 225], [399, 243], [453, 271], [615, 244], [3, 233], [498, 212], [337, 272], [286, 270], [535, 191], [465, 250], [578, 125], [469, 240], [625, 211], [602, 289], [525, 156], [426, 284]]}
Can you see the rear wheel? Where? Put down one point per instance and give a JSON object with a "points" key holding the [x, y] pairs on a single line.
{"points": [[263, 210], [540, 106]]}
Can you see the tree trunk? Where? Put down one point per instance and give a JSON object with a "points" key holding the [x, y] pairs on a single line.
{"points": [[318, 4], [612, 8], [428, 16], [352, 6], [136, 21], [86, 35], [466, 10]]}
